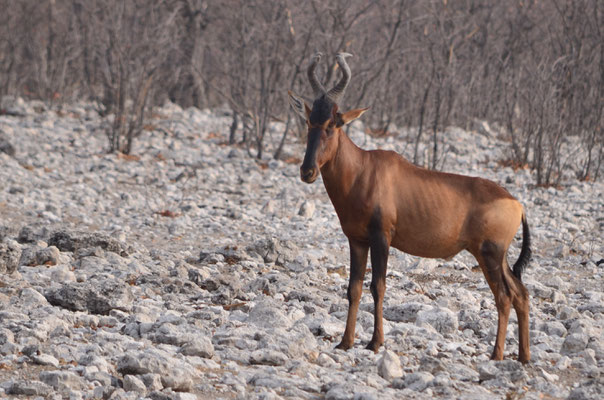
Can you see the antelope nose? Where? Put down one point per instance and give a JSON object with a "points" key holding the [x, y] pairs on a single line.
{"points": [[308, 175]]}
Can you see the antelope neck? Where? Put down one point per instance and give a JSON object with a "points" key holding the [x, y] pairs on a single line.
{"points": [[340, 172]]}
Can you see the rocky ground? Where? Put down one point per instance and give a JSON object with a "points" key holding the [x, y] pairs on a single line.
{"points": [[190, 270]]}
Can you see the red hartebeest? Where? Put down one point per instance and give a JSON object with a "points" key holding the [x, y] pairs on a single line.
{"points": [[383, 200]]}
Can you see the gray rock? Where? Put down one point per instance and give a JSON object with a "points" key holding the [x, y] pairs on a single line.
{"points": [[366, 396], [595, 344], [389, 366], [441, 319], [502, 373], [200, 347], [8, 349], [432, 364], [549, 377], [197, 276], [29, 234], [29, 388], [185, 396], [561, 251], [17, 107], [513, 368], [48, 256], [29, 255], [417, 381], [62, 273], [555, 328], [101, 377], [593, 307], [463, 373], [61, 380], [73, 241], [442, 380], [5, 146], [96, 297], [176, 335], [10, 254], [30, 350], [325, 361], [567, 313], [299, 341], [174, 373], [272, 250], [555, 282], [307, 209], [163, 395], [558, 297], [574, 343], [406, 312], [339, 392], [267, 357], [583, 326], [424, 265], [32, 298], [269, 207], [6, 336], [107, 392], [134, 384], [539, 290], [590, 390], [45, 359], [6, 232], [589, 356], [324, 325], [474, 322], [487, 371], [563, 363], [152, 381], [266, 314]]}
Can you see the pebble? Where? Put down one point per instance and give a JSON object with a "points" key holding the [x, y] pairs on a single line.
{"points": [[441, 319], [574, 343], [199, 346], [134, 384], [389, 366], [417, 381]]}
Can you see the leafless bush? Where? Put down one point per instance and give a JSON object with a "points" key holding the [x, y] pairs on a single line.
{"points": [[127, 47], [36, 48]]}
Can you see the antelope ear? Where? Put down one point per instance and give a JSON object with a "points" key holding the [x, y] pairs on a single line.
{"points": [[299, 105], [351, 115]]}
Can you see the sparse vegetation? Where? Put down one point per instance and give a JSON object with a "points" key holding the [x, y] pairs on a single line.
{"points": [[535, 68]]}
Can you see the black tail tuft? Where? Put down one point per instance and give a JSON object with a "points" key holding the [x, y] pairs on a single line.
{"points": [[525, 253]]}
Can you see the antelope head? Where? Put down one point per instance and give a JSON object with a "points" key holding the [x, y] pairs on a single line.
{"points": [[323, 120]]}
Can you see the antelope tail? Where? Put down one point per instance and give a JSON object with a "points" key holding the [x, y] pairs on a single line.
{"points": [[525, 252]]}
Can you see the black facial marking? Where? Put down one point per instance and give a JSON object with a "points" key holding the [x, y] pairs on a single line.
{"points": [[321, 110], [310, 157]]}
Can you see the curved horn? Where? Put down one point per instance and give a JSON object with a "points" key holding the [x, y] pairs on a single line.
{"points": [[338, 90], [317, 87]]}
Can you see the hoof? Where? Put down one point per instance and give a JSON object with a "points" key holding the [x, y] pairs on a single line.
{"points": [[343, 346], [374, 346], [524, 360]]}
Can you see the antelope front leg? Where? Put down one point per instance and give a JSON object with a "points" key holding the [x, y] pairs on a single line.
{"points": [[379, 261], [358, 266]]}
